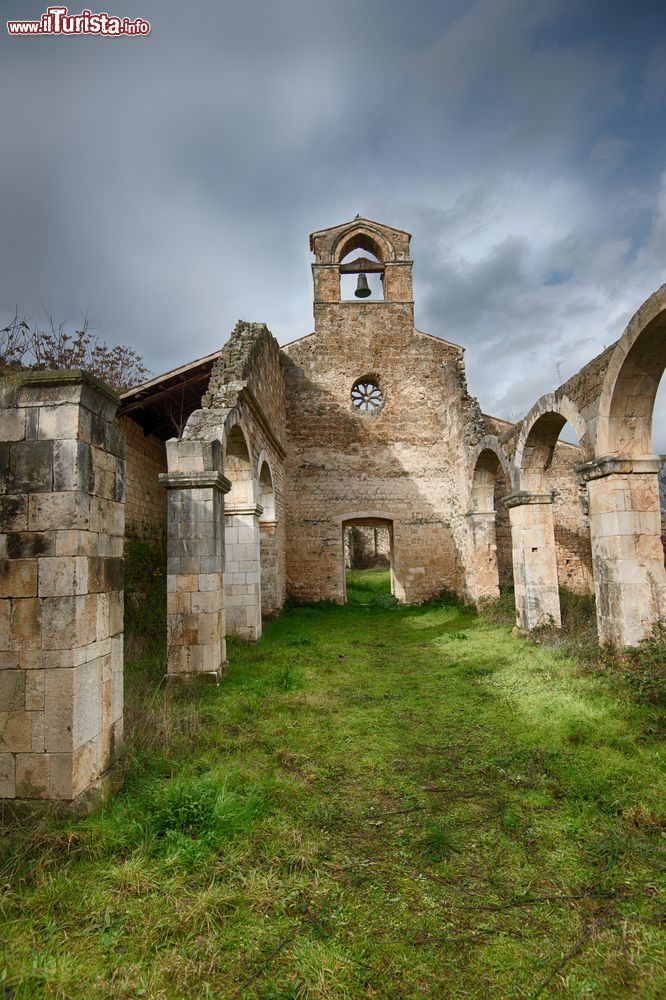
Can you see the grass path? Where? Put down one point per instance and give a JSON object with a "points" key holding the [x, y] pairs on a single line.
{"points": [[377, 802]]}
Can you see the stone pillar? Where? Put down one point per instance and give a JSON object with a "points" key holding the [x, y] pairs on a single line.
{"points": [[534, 559], [484, 580], [195, 558], [627, 552], [242, 570], [270, 601], [62, 519]]}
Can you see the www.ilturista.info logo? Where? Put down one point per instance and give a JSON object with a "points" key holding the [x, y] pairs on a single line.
{"points": [[58, 21]]}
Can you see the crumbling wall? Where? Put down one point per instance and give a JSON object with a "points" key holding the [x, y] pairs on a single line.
{"points": [[248, 378]]}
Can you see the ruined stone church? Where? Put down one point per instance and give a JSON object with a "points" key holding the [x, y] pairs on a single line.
{"points": [[252, 462]]}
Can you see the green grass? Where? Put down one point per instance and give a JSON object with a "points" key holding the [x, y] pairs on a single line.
{"points": [[369, 586], [376, 802]]}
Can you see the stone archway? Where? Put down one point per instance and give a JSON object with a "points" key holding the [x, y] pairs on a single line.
{"points": [[490, 466], [531, 510], [242, 563]]}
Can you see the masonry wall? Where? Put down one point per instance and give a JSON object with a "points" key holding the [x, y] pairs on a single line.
{"points": [[146, 498], [61, 585], [571, 520], [405, 463]]}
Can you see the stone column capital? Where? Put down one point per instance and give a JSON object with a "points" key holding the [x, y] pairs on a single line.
{"points": [[195, 481], [522, 497], [243, 508], [612, 465]]}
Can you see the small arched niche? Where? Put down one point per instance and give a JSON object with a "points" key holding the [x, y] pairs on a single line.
{"points": [[266, 494]]}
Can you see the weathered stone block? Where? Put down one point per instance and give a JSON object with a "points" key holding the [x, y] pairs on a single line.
{"points": [[72, 466], [7, 775], [31, 467], [16, 731], [35, 684], [12, 690], [18, 578], [25, 624], [12, 424], [58, 510], [33, 776], [61, 421], [13, 513], [63, 576], [68, 621]]}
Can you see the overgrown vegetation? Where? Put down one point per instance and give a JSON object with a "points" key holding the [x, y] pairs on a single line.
{"points": [[26, 344], [642, 671], [377, 801]]}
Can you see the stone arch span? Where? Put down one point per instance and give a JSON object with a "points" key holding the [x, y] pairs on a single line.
{"points": [[362, 237], [539, 434], [626, 400], [622, 483]]}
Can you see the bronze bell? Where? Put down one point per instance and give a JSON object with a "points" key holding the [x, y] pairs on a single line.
{"points": [[362, 290]]}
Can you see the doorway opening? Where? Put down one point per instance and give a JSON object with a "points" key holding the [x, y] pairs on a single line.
{"points": [[368, 559]]}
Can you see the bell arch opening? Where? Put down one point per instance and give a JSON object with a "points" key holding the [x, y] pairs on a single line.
{"points": [[361, 273]]}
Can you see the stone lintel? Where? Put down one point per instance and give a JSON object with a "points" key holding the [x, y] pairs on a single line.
{"points": [[612, 465], [523, 497], [482, 515], [243, 508], [194, 481], [265, 524]]}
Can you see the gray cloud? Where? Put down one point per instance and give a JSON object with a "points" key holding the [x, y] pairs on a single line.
{"points": [[167, 184]]}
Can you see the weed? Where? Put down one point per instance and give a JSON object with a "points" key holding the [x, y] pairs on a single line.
{"points": [[437, 843]]}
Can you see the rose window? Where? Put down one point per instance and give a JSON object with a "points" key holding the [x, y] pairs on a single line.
{"points": [[367, 396]]}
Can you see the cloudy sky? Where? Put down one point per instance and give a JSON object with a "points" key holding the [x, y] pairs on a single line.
{"points": [[166, 185]]}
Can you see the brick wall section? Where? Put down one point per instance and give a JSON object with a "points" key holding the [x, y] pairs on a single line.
{"points": [[146, 500], [61, 585]]}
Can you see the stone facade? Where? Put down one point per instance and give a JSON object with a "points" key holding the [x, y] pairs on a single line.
{"points": [[403, 462], [61, 579]]}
